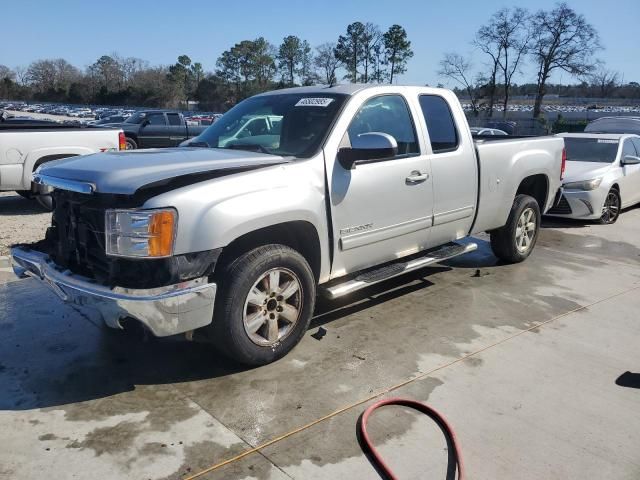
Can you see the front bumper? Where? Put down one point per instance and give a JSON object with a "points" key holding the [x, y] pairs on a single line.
{"points": [[164, 311], [586, 205]]}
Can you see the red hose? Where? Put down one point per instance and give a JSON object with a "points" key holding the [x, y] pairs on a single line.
{"points": [[421, 407]]}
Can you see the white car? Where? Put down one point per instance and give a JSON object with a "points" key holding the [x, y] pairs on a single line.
{"points": [[602, 176], [487, 131]]}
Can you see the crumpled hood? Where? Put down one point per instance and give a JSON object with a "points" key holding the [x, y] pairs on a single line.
{"points": [[578, 171], [127, 172]]}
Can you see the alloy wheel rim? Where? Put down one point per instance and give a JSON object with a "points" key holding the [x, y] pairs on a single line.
{"points": [[525, 230], [273, 307], [611, 209]]}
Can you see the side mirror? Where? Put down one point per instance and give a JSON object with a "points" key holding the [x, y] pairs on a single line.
{"points": [[145, 122], [368, 147], [630, 160]]}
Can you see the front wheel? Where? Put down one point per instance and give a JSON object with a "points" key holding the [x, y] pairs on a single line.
{"points": [[514, 241], [611, 208], [264, 306]]}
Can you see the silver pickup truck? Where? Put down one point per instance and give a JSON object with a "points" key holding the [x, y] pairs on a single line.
{"points": [[231, 241]]}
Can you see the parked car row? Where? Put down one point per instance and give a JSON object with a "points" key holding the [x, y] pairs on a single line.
{"points": [[99, 114], [516, 107]]}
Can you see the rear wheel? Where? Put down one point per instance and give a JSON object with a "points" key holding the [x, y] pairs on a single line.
{"points": [[130, 144], [611, 208], [264, 306], [514, 242]]}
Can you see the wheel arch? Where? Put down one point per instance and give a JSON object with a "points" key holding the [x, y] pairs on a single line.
{"points": [[536, 186], [299, 235]]}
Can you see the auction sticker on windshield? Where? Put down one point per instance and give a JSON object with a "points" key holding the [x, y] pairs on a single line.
{"points": [[314, 102]]}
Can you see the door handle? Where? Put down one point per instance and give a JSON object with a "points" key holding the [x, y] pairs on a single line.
{"points": [[417, 177]]}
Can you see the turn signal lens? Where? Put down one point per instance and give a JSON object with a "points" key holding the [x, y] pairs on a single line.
{"points": [[140, 233], [161, 230], [122, 141]]}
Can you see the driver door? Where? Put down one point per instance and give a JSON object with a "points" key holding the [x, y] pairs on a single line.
{"points": [[381, 209], [154, 132]]}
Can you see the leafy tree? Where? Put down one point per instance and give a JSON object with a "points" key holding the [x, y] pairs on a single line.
{"points": [[289, 57], [371, 38], [350, 50], [306, 71], [563, 40], [398, 50]]}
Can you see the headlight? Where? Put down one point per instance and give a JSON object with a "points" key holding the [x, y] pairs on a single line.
{"points": [[140, 233], [584, 185]]}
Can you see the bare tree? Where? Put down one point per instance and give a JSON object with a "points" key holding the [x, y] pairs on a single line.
{"points": [[326, 62], [458, 69], [606, 81], [563, 39], [22, 74], [487, 41]]}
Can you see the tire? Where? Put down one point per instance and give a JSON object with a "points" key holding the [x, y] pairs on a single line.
{"points": [[257, 319], [507, 242], [611, 207], [131, 144]]}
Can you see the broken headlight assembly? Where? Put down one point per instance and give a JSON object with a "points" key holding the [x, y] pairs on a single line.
{"points": [[140, 233], [584, 185]]}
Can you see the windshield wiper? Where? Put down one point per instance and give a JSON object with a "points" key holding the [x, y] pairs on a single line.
{"points": [[253, 147]]}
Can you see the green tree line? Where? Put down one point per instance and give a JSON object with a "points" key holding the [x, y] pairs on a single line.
{"points": [[364, 53]]}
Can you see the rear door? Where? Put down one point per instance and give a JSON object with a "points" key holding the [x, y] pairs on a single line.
{"points": [[454, 170], [177, 129], [154, 132], [381, 209]]}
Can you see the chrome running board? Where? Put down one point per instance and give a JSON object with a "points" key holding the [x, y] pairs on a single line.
{"points": [[371, 277]]}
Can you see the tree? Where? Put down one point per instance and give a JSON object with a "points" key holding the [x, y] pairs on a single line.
{"points": [[604, 80], [306, 72], [289, 57], [458, 69], [398, 50], [350, 50], [563, 40], [7, 73], [371, 37], [506, 38], [326, 62], [181, 75], [379, 72]]}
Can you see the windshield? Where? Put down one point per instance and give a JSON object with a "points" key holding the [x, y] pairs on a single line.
{"points": [[282, 124], [591, 149], [135, 118]]}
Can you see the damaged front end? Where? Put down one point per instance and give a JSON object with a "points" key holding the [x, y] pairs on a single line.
{"points": [[169, 295]]}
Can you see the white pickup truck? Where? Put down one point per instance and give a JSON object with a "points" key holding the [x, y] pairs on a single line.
{"points": [[25, 146], [230, 241]]}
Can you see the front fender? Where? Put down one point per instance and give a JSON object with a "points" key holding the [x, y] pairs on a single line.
{"points": [[213, 213]]}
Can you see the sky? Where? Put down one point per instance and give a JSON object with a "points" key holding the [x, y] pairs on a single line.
{"points": [[161, 30]]}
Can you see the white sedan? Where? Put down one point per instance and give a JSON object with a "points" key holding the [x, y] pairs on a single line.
{"points": [[602, 176]]}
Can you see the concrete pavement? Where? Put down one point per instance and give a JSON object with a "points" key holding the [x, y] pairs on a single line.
{"points": [[78, 400]]}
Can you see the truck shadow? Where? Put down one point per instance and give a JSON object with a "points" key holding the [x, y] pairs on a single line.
{"points": [[14, 204], [50, 362]]}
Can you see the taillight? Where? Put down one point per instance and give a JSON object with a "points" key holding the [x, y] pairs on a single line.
{"points": [[564, 163], [122, 144]]}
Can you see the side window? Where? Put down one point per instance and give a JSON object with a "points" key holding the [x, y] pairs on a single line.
{"points": [[156, 119], [636, 143], [174, 119], [628, 148], [440, 124], [387, 114]]}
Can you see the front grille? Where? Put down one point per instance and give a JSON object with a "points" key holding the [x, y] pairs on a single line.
{"points": [[76, 241], [562, 208], [77, 231]]}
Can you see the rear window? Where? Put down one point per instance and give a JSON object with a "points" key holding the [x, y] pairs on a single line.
{"points": [[590, 149], [440, 125]]}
